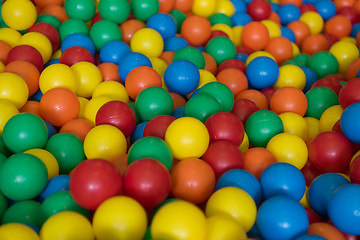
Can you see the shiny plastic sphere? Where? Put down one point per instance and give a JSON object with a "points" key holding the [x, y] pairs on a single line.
{"points": [[288, 99], [76, 54], [264, 67], [148, 42], [221, 49], [295, 124], [319, 99], [72, 26], [14, 89], [131, 61], [114, 51], [201, 107], [19, 15], [103, 32], [191, 54], [347, 94], [48, 159], [259, 10], [111, 89], [83, 10], [18, 231], [329, 118], [255, 35], [9, 110], [349, 124], [143, 10], [56, 76], [345, 52], [78, 39], [196, 30], [221, 226], [25, 212], [164, 24], [157, 126], [40, 42], [323, 63], [55, 184], [290, 75], [221, 92], [116, 11]]}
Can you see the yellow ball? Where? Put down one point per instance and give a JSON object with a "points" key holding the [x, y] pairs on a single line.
{"points": [[40, 42], [148, 42], [56, 54], [225, 6], [348, 39], [57, 75], [48, 159], [88, 76], [345, 53], [93, 106], [159, 65], [17, 231], [235, 203], [272, 27], [204, 8], [19, 15], [295, 124], [10, 36], [187, 137], [313, 126], [206, 77], [83, 102], [14, 89], [120, 217], [2, 66], [224, 227], [112, 89], [224, 28], [289, 148], [237, 30], [296, 49], [329, 117], [290, 76], [8, 109], [105, 142], [304, 200], [67, 225], [179, 220], [313, 20], [244, 146], [256, 54]]}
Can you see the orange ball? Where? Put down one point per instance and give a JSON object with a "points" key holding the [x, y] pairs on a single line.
{"points": [[339, 26], [325, 230], [4, 50], [352, 70], [27, 71], [288, 99], [183, 5], [301, 31], [210, 63], [57, 11], [343, 3], [78, 126], [166, 6], [314, 43], [109, 72], [178, 100], [256, 159], [280, 48], [59, 105], [275, 17], [192, 180], [141, 78], [31, 107], [234, 78], [196, 29], [357, 6], [167, 56], [45, 3], [129, 27], [256, 96], [255, 35]]}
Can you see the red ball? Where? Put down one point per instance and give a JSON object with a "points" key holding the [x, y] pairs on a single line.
{"points": [[350, 13], [244, 49], [354, 170], [76, 54], [49, 31], [157, 126], [232, 63], [349, 93], [243, 108], [225, 126], [118, 114], [307, 7], [26, 53], [331, 83], [147, 181], [268, 92], [330, 152], [223, 156], [93, 181], [310, 173], [259, 10]]}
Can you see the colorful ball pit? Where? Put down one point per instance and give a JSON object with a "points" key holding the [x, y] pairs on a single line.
{"points": [[179, 119]]}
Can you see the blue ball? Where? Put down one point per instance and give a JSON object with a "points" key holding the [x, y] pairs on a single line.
{"points": [[55, 184], [350, 124], [182, 77], [262, 72], [175, 43], [310, 237], [321, 190], [281, 217], [138, 132], [282, 178], [344, 208], [80, 40], [326, 9], [355, 30], [131, 61], [288, 33], [240, 19], [51, 62], [288, 13], [163, 24], [243, 179], [239, 5], [36, 96], [275, 6], [310, 76], [242, 57], [114, 51], [178, 112]]}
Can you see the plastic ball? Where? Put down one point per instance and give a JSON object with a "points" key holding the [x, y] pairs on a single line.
{"points": [[88, 76], [196, 30], [30, 169], [55, 184], [19, 15], [91, 107], [48, 159], [300, 29], [129, 27], [72, 26], [175, 43], [259, 10], [201, 107], [347, 94], [191, 54], [235, 203], [164, 24], [330, 152], [329, 118], [339, 26], [221, 49], [80, 40], [111, 89], [345, 53], [280, 48], [325, 230], [83, 10], [138, 132], [14, 89], [290, 75], [324, 63], [243, 108], [281, 217], [224, 227], [326, 9], [261, 126], [265, 67], [76, 54], [288, 13], [56, 76], [40, 42], [25, 212], [157, 126], [143, 10], [109, 71], [8, 111], [116, 11], [255, 35], [319, 99], [79, 127], [18, 231], [148, 42], [349, 124], [103, 32], [288, 99], [295, 124], [114, 51], [221, 92], [204, 8], [131, 61]]}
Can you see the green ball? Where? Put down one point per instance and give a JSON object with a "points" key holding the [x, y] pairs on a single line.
{"points": [[221, 93], [137, 116], [179, 18], [292, 62], [3, 205], [201, 107], [152, 102], [221, 48], [319, 99], [24, 131], [261, 126], [191, 54], [80, 9], [104, 31], [26, 212], [151, 147], [23, 177], [323, 63], [144, 9], [67, 149], [71, 26], [220, 18], [3, 149], [59, 202], [50, 19], [114, 10], [302, 58]]}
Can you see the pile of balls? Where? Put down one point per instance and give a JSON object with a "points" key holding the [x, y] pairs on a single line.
{"points": [[179, 119]]}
